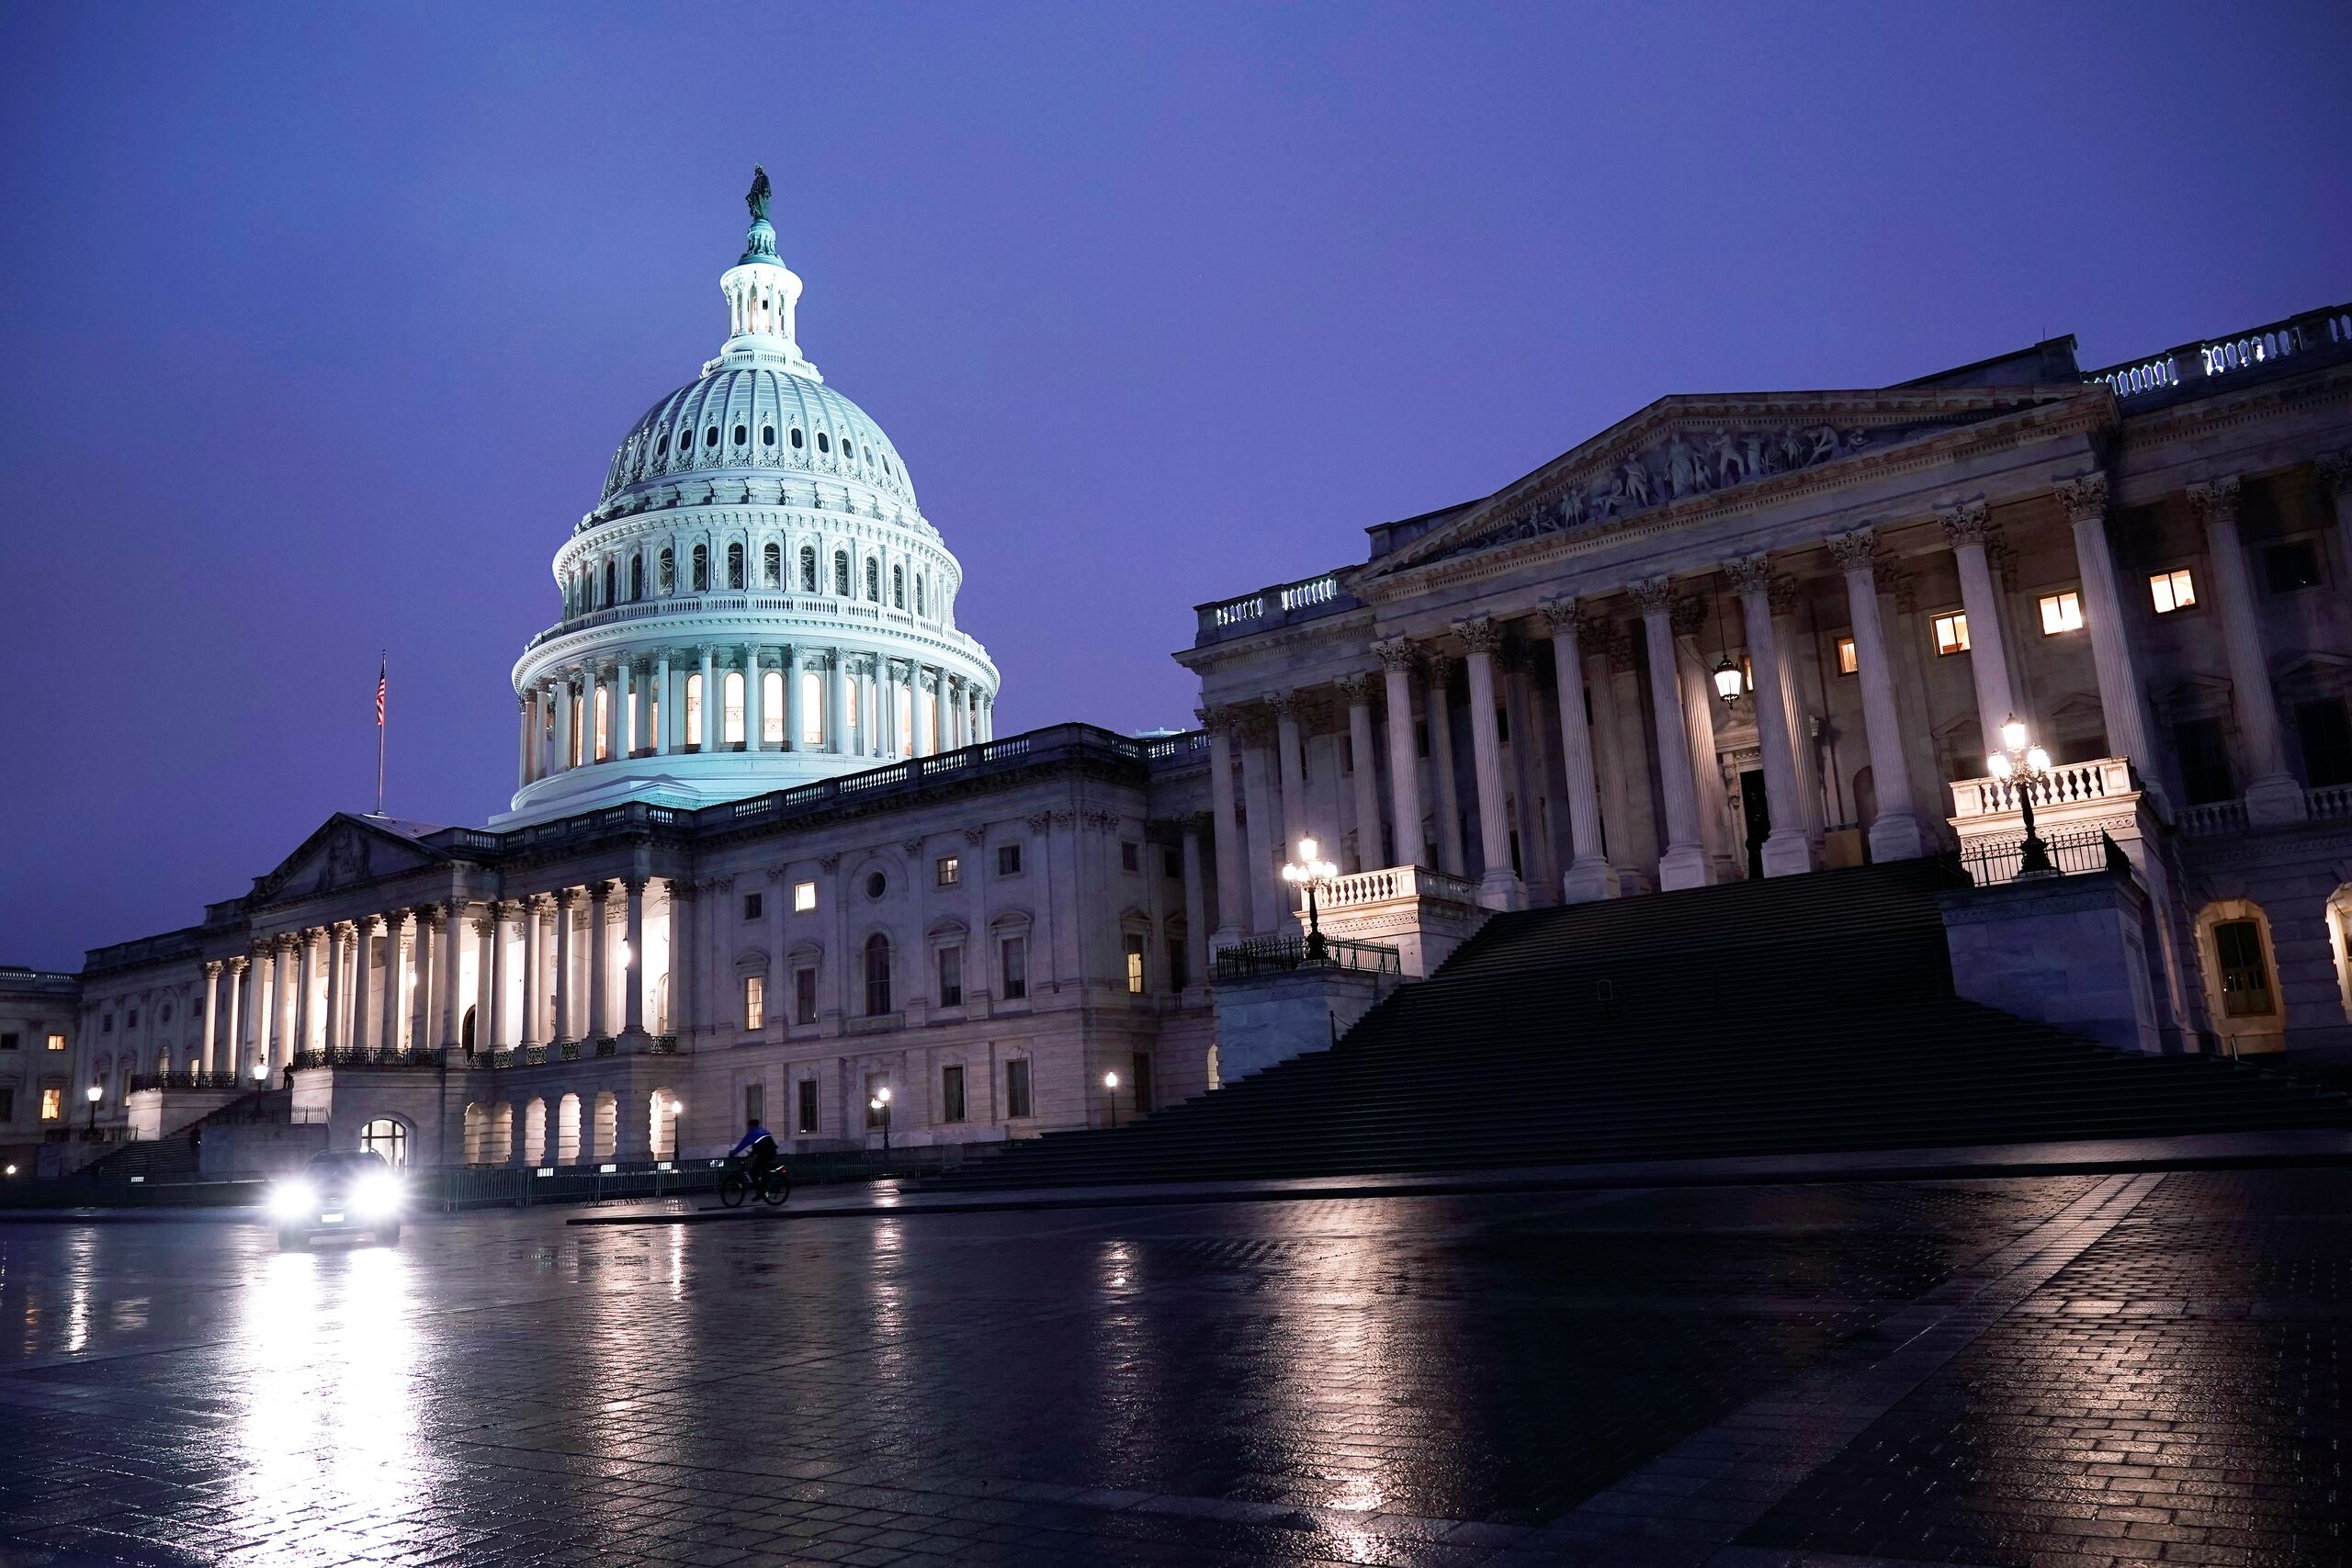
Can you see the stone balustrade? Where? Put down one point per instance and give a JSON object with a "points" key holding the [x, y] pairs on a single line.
{"points": [[2071, 784]]}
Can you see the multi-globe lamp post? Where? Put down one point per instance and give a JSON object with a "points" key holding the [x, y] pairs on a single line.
{"points": [[1312, 873], [2025, 766], [880, 1106], [1111, 1092]]}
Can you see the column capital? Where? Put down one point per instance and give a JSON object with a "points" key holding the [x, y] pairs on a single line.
{"points": [[1479, 633], [1282, 705], [562, 897], [237, 965], [1396, 652], [1357, 689], [1967, 524], [1217, 720], [1566, 612], [1437, 665], [2083, 497], [522, 699], [2215, 500], [1686, 615], [2334, 470], [635, 886], [1652, 595], [213, 968], [600, 890], [1855, 551], [1750, 574]]}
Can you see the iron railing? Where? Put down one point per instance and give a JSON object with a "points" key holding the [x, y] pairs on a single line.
{"points": [[413, 1059], [1991, 862], [191, 1078], [1277, 954]]}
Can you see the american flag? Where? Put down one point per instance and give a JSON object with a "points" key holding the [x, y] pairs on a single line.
{"points": [[381, 665]]}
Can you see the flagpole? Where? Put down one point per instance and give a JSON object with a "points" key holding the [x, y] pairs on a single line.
{"points": [[381, 666]]}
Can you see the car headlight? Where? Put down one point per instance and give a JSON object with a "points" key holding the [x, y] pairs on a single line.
{"points": [[377, 1196], [293, 1200]]}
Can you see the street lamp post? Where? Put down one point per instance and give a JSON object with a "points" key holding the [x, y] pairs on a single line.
{"points": [[2024, 766], [95, 1094], [1312, 874], [880, 1106], [1111, 1088]]}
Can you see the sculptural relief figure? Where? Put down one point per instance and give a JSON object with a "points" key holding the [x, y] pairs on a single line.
{"points": [[1729, 465], [1683, 468], [1637, 482], [1794, 450], [1572, 507], [1825, 442]]}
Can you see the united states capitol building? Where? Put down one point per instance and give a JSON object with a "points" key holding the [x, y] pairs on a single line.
{"points": [[767, 853]]}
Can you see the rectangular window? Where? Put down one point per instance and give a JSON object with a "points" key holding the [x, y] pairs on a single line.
{"points": [[2061, 613], [950, 871], [1951, 633], [2291, 566], [2204, 754], [2327, 742], [1135, 964], [804, 996], [131, 1020], [52, 1104], [1171, 864], [2172, 591], [803, 897], [1008, 860], [951, 976], [8, 1042], [105, 1024], [1141, 1081], [2245, 979], [756, 1102], [1848, 661], [750, 906], [8, 1103], [1014, 952], [56, 1042], [1130, 857], [951, 1093], [1016, 1087], [754, 1000], [805, 1114]]}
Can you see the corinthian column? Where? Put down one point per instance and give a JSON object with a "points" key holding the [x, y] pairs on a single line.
{"points": [[599, 946], [231, 1060], [1232, 880], [1395, 656], [1587, 876], [633, 964], [2120, 702], [211, 1022], [1437, 704], [563, 898], [363, 942], [2271, 793], [1988, 664], [1895, 832], [338, 957], [1498, 885], [1684, 862], [527, 705], [1786, 851], [534, 985], [1369, 856]]}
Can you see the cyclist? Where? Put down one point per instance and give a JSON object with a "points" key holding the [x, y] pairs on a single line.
{"points": [[757, 1150]]}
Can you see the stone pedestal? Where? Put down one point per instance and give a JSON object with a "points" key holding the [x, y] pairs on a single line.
{"points": [[2070, 951], [1423, 914], [1265, 1019]]}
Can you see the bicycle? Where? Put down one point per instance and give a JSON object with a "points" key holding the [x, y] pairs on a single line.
{"points": [[771, 1188]]}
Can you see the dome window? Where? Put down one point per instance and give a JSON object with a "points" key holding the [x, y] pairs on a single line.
{"points": [[743, 435], [876, 885], [886, 462], [840, 573], [771, 566], [823, 443], [796, 438], [660, 446], [808, 569], [849, 447], [767, 435], [735, 568]]}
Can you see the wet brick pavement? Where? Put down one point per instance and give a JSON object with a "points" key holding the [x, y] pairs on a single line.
{"points": [[2055, 1371]]}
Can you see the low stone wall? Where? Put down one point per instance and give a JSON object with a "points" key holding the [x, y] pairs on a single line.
{"points": [[2070, 951], [1271, 1017]]}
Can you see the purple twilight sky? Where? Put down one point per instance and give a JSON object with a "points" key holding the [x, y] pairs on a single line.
{"points": [[318, 324]]}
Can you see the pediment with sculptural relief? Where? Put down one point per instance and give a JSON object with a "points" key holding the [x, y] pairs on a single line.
{"points": [[344, 852], [1691, 452]]}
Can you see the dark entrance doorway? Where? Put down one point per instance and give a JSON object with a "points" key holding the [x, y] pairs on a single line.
{"points": [[1758, 815]]}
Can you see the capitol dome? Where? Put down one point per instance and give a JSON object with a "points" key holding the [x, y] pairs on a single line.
{"points": [[756, 601]]}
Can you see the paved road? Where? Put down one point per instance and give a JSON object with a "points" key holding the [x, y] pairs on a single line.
{"points": [[2070, 1371]]}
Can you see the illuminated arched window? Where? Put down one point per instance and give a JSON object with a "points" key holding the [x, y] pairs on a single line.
{"points": [[840, 573], [732, 716], [772, 567], [636, 578], [919, 609], [873, 580], [808, 569], [612, 581], [666, 575], [694, 709], [734, 566], [772, 708], [603, 721], [702, 569], [898, 588], [388, 1138]]}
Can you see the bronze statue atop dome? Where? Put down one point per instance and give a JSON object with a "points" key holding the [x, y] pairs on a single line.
{"points": [[756, 198]]}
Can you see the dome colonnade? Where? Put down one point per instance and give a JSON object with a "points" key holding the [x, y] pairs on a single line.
{"points": [[756, 601]]}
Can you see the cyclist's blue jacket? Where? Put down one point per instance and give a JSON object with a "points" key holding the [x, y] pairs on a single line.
{"points": [[757, 1135]]}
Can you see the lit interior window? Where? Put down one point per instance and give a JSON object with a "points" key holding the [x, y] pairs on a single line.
{"points": [[1951, 633], [604, 722], [733, 714], [1847, 660], [772, 708], [804, 897], [2061, 613], [694, 710], [2172, 591], [812, 709]]}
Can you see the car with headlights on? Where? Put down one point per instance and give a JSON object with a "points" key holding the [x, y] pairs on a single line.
{"points": [[355, 1193]]}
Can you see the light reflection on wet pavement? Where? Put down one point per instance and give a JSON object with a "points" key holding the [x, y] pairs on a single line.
{"points": [[1434, 1380]]}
